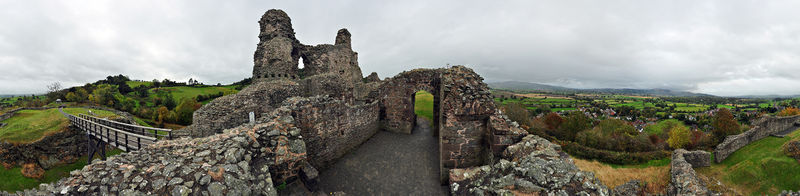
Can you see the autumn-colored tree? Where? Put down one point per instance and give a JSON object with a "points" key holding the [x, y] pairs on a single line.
{"points": [[553, 121], [163, 114], [724, 124], [678, 137], [185, 110], [790, 111]]}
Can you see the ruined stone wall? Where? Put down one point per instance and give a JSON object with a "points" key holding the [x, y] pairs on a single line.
{"points": [[246, 160], [331, 127], [397, 98], [278, 51], [762, 128], [62, 147], [466, 106], [533, 166], [683, 178], [233, 110]]}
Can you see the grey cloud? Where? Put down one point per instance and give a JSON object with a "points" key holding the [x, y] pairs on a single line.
{"points": [[719, 47]]}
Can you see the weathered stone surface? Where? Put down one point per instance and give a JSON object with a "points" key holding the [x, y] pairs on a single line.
{"points": [[698, 158], [761, 128], [171, 167], [789, 193], [792, 149], [372, 77], [684, 180], [633, 187], [51, 150], [539, 168]]}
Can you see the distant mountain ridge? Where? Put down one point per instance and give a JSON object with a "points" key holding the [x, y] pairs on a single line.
{"points": [[528, 86]]}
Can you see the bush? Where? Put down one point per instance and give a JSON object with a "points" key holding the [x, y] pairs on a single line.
{"points": [[790, 111], [678, 137], [518, 112], [613, 157], [724, 124]]}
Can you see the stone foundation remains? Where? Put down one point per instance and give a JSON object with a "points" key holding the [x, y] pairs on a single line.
{"points": [[683, 178], [762, 128]]}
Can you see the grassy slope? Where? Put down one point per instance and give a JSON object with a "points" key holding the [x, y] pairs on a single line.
{"points": [[30, 125], [180, 92], [134, 84], [14, 181], [655, 173], [759, 168], [423, 105]]}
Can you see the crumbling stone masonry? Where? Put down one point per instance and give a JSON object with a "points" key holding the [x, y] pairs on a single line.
{"points": [[349, 109], [684, 180], [762, 128]]}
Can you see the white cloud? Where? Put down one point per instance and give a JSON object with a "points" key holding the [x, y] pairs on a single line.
{"points": [[709, 47]]}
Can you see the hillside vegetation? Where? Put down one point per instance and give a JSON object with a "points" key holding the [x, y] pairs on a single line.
{"points": [[30, 125], [759, 168]]}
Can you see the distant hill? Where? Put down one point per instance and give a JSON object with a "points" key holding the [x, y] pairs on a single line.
{"points": [[535, 87]]}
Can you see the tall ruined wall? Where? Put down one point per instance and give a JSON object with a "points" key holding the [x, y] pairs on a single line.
{"points": [[278, 50], [683, 178], [331, 127], [762, 128], [466, 105], [246, 160]]}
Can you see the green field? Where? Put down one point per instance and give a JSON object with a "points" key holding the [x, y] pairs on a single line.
{"points": [[423, 105], [181, 92], [14, 181], [759, 168], [30, 125], [134, 84]]}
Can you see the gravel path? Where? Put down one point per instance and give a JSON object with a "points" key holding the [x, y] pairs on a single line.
{"points": [[389, 164]]}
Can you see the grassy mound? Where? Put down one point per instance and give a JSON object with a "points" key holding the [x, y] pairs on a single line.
{"points": [[30, 125], [423, 105], [189, 92], [759, 168]]}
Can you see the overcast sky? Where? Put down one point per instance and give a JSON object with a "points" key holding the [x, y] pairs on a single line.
{"points": [[716, 47]]}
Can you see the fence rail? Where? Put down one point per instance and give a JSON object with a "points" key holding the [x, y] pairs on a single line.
{"points": [[126, 137]]}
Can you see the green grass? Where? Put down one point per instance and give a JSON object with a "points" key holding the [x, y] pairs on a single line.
{"points": [[30, 125], [759, 168], [134, 84], [181, 92], [14, 181], [651, 163], [423, 105]]}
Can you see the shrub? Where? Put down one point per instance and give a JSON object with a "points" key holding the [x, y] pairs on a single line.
{"points": [[518, 112], [575, 122], [790, 111], [553, 121], [678, 137], [613, 157], [724, 124]]}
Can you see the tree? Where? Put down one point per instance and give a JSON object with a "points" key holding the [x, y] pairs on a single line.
{"points": [[678, 137], [82, 95], [790, 111], [575, 122], [724, 124], [518, 112], [72, 97], [162, 114], [185, 110], [53, 90], [553, 121]]}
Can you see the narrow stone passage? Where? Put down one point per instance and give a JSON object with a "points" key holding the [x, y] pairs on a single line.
{"points": [[389, 164]]}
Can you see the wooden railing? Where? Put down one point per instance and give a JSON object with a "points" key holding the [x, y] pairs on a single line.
{"points": [[126, 137], [142, 130]]}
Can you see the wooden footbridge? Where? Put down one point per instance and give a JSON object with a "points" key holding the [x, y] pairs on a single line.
{"points": [[126, 137]]}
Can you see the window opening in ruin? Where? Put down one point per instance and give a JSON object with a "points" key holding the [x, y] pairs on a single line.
{"points": [[301, 64]]}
